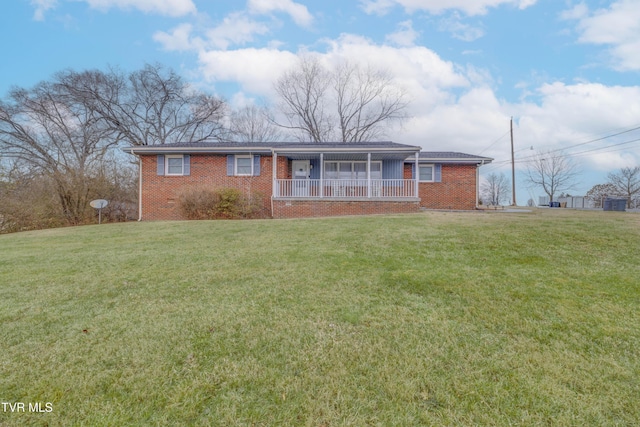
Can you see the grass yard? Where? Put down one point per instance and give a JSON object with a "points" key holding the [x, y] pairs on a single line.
{"points": [[443, 319]]}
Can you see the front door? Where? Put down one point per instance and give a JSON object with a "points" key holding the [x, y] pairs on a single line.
{"points": [[300, 171]]}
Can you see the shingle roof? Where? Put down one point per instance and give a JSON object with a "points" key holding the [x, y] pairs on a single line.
{"points": [[213, 146], [452, 157], [300, 147], [446, 155], [289, 144]]}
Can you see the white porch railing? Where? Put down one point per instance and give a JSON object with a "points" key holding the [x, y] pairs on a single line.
{"points": [[345, 188]]}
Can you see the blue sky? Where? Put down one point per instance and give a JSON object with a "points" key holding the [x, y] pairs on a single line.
{"points": [[568, 72]]}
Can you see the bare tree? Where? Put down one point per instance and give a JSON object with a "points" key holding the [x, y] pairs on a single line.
{"points": [[348, 104], [253, 124], [61, 130], [599, 192], [496, 189], [57, 134], [150, 106], [626, 182], [29, 201], [367, 102], [553, 171], [303, 95]]}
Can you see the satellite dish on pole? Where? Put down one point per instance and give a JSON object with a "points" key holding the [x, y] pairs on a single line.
{"points": [[99, 204]]}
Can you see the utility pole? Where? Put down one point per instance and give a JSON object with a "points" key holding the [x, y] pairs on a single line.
{"points": [[513, 169]]}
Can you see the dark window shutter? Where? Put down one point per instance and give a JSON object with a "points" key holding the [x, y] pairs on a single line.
{"points": [[230, 168], [186, 164], [438, 172], [160, 164], [256, 165], [413, 171]]}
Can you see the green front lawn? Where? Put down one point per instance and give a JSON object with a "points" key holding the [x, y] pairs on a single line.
{"points": [[428, 319]]}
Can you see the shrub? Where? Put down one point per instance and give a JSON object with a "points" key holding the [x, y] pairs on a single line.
{"points": [[224, 203], [229, 204], [198, 203]]}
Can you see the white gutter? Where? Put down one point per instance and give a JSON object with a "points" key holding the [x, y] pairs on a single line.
{"points": [[161, 149], [466, 160], [139, 189], [347, 150], [274, 177], [478, 183]]}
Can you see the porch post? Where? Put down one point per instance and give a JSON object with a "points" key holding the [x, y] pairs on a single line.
{"points": [[417, 175], [274, 172], [369, 175], [321, 175]]}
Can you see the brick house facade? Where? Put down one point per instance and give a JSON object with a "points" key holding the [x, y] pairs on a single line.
{"points": [[306, 179], [455, 184]]}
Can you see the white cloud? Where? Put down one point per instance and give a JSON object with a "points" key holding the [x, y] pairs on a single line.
{"points": [[240, 100], [568, 115], [460, 30], [179, 39], [377, 7], [469, 7], [578, 11], [428, 79], [235, 29], [255, 70], [428, 75], [612, 161], [415, 65], [172, 8], [405, 36], [618, 26], [466, 123], [163, 7], [298, 12], [453, 107], [583, 105], [42, 6]]}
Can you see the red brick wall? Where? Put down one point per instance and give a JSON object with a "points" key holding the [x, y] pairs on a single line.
{"points": [[320, 208], [160, 194], [456, 191]]}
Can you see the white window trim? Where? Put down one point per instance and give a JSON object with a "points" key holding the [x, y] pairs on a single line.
{"points": [[433, 172], [166, 164], [235, 164], [352, 162]]}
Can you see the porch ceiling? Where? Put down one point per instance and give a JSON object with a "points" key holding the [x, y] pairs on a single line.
{"points": [[345, 156]]}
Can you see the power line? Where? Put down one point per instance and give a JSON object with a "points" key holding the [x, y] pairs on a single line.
{"points": [[494, 142], [602, 148], [496, 164], [531, 157], [623, 130]]}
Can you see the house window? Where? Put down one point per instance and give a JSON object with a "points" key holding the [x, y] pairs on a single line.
{"points": [[426, 173], [359, 170], [344, 170], [351, 170], [331, 170], [376, 170], [243, 165], [174, 164]]}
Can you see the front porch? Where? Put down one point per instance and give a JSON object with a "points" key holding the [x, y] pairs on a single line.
{"points": [[344, 174], [345, 189]]}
